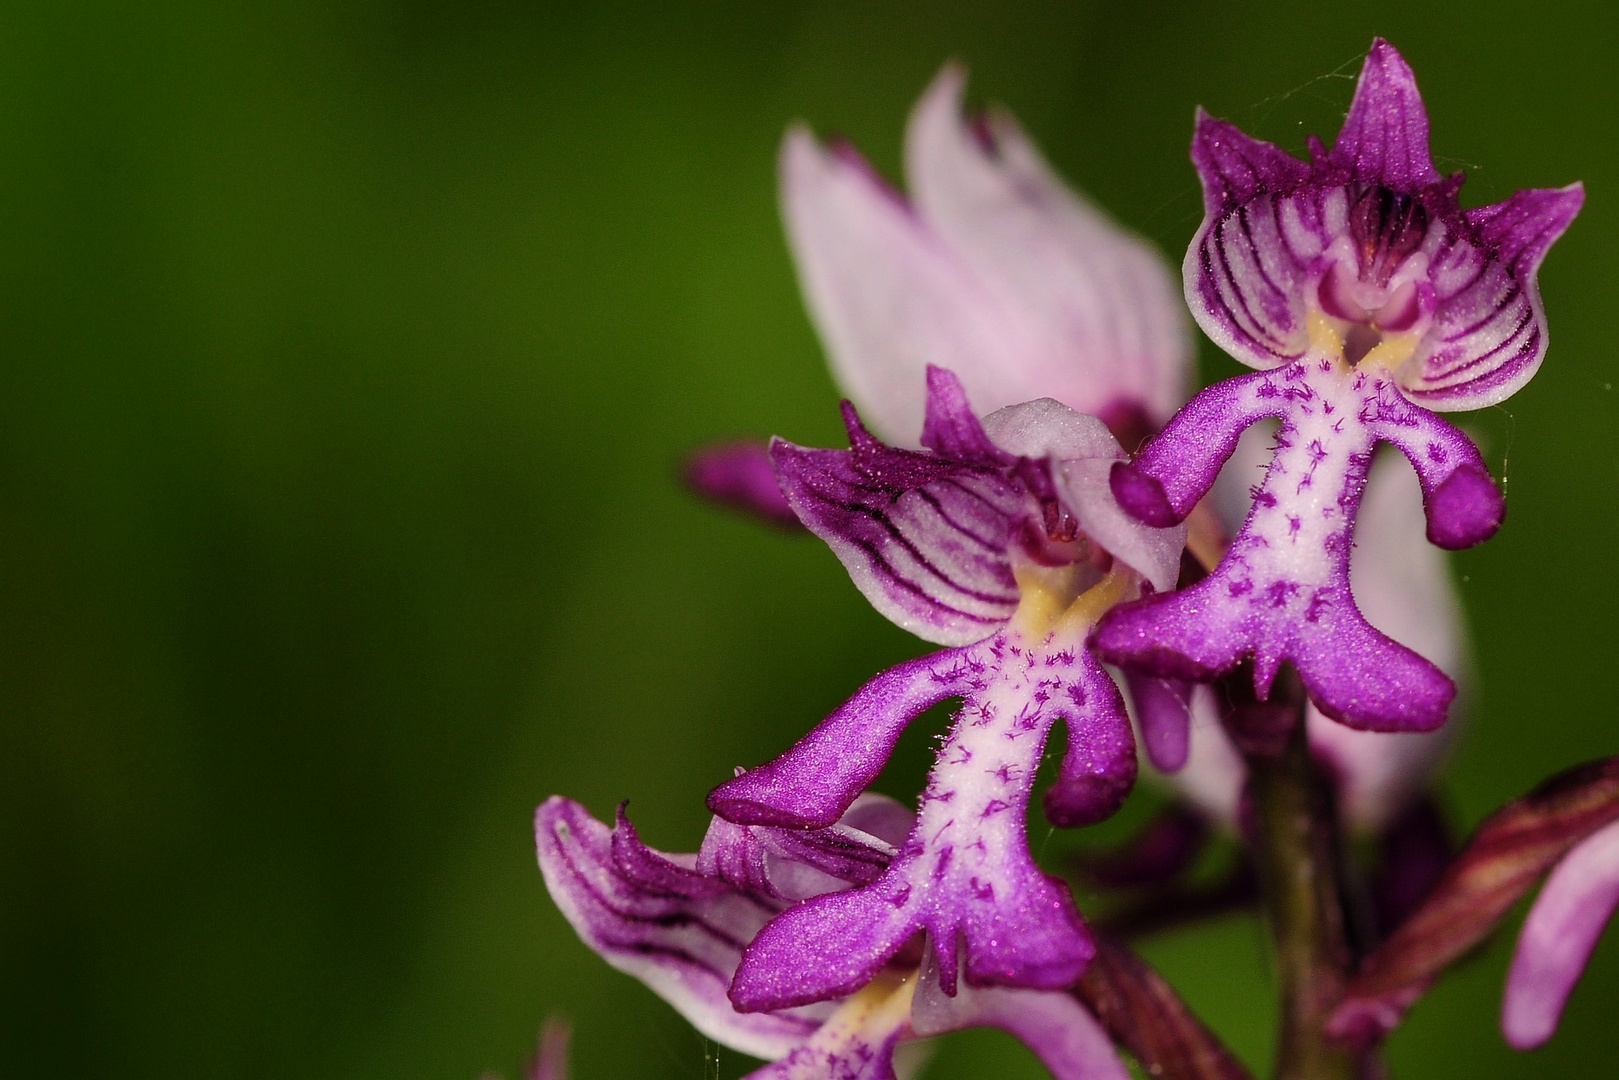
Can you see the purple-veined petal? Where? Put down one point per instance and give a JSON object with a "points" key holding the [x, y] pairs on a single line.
{"points": [[1384, 139], [888, 296], [950, 427], [856, 1042], [1574, 906], [812, 784], [740, 475], [1063, 1035], [736, 855], [1489, 335], [1372, 236], [679, 932], [1098, 305], [1246, 269], [924, 538], [930, 537], [795, 864], [1235, 167]]}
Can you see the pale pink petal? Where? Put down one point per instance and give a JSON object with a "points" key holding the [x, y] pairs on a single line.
{"points": [[1562, 929], [1100, 305], [1153, 553], [679, 932], [887, 295], [551, 1060]]}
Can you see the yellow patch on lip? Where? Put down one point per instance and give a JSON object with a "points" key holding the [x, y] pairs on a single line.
{"points": [[1324, 337], [1389, 353], [1052, 602], [882, 1005]]}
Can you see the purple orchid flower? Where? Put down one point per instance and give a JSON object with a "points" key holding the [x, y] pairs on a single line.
{"points": [[1002, 540], [1366, 297], [680, 923], [1558, 937]]}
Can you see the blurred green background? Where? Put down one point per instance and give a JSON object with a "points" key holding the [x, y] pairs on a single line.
{"points": [[348, 353]]}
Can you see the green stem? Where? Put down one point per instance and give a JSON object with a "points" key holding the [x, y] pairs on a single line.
{"points": [[1296, 852]]}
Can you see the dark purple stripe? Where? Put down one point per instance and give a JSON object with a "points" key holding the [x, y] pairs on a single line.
{"points": [[995, 547], [1253, 248], [1512, 295], [881, 564], [1260, 338], [888, 526], [682, 919], [1484, 267], [1526, 350]]}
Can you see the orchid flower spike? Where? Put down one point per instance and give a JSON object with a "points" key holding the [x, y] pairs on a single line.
{"points": [[679, 923], [1003, 541], [1366, 297]]}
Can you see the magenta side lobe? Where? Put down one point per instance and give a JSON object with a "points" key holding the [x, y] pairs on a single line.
{"points": [[812, 784], [1179, 466]]}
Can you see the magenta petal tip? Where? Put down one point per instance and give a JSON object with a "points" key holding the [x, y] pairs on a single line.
{"points": [[1142, 496], [1465, 510]]}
